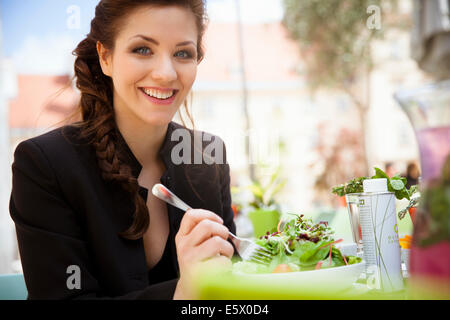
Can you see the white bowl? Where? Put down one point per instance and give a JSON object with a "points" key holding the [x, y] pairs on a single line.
{"points": [[332, 279]]}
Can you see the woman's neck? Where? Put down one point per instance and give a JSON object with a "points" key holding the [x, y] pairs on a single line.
{"points": [[144, 140]]}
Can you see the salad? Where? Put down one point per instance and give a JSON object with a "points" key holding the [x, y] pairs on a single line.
{"points": [[301, 245]]}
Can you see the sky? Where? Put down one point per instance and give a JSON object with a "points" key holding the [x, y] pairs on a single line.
{"points": [[39, 35]]}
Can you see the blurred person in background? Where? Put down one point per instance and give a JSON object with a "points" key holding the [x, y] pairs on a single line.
{"points": [[87, 225], [412, 174], [389, 169]]}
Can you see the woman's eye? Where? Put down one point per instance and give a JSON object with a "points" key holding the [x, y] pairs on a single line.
{"points": [[142, 51], [183, 54]]}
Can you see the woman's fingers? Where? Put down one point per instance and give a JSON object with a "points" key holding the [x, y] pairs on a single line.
{"points": [[201, 236], [193, 216], [213, 247], [205, 230]]}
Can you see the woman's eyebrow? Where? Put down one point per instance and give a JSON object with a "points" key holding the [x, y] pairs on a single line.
{"points": [[184, 43]]}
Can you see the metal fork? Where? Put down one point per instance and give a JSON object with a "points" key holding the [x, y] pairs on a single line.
{"points": [[247, 249]]}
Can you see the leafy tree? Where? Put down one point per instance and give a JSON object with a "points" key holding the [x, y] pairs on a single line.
{"points": [[335, 38]]}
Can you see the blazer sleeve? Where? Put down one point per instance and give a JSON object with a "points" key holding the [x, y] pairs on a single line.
{"points": [[228, 214], [50, 236]]}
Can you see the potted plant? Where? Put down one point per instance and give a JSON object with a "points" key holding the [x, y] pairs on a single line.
{"points": [[266, 212]]}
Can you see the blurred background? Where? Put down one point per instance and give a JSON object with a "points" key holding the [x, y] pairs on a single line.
{"points": [[300, 91]]}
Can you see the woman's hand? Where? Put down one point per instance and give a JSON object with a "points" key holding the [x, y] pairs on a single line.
{"points": [[201, 236]]}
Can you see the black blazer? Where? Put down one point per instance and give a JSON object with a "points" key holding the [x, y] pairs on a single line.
{"points": [[66, 215]]}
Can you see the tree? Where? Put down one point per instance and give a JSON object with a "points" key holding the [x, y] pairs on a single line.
{"points": [[336, 156], [335, 38]]}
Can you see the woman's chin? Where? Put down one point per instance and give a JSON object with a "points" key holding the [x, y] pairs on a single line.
{"points": [[158, 115], [158, 119]]}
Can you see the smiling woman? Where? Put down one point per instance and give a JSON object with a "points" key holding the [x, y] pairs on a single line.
{"points": [[80, 192], [166, 55]]}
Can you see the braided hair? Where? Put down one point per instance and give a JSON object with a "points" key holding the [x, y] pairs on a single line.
{"points": [[98, 123]]}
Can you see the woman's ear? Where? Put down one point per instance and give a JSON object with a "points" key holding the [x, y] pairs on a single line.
{"points": [[104, 59]]}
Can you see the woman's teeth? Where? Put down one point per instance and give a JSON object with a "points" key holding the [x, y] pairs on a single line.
{"points": [[159, 94]]}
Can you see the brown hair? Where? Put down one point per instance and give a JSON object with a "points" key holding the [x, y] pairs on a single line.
{"points": [[96, 103]]}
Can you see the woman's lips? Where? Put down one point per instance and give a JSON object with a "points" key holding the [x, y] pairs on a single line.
{"points": [[160, 101]]}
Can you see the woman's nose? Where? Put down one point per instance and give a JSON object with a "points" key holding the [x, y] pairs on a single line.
{"points": [[164, 70]]}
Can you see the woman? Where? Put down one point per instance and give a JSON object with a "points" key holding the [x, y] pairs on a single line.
{"points": [[412, 175], [86, 225]]}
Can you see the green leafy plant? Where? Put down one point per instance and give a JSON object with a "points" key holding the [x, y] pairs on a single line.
{"points": [[264, 194], [266, 211], [396, 184], [353, 186]]}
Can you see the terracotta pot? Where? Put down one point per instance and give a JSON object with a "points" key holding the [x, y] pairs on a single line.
{"points": [[412, 212]]}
